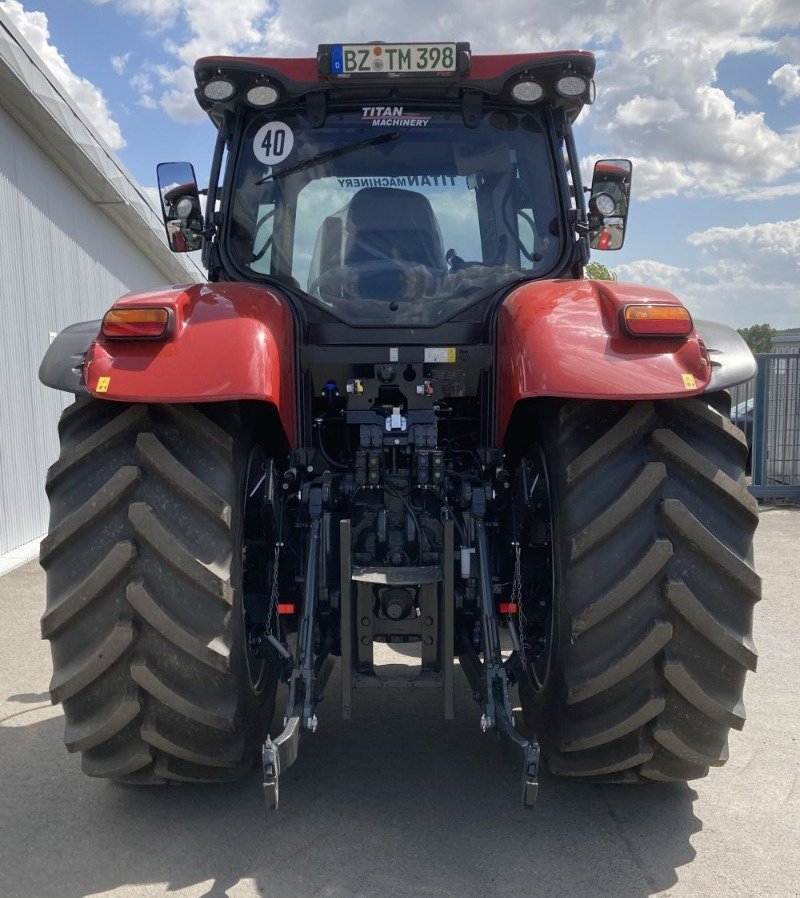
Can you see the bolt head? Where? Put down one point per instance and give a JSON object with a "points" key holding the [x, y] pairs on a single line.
{"points": [[486, 723], [312, 723]]}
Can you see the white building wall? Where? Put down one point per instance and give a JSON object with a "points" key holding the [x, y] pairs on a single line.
{"points": [[76, 232], [62, 260]]}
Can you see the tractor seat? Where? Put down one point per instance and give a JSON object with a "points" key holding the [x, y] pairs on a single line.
{"points": [[384, 224]]}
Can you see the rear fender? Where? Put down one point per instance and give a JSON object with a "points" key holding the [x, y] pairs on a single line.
{"points": [[732, 362], [227, 342], [563, 338]]}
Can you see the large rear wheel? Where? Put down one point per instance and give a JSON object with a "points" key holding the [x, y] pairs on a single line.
{"points": [[145, 592], [654, 590]]}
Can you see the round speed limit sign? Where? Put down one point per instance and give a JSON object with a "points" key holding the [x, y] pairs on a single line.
{"points": [[273, 143]]}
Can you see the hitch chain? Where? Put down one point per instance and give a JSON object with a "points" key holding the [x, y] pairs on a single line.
{"points": [[273, 598]]}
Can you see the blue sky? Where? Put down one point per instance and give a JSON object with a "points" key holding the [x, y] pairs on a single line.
{"points": [[703, 95]]}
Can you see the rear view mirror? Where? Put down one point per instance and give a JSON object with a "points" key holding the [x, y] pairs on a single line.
{"points": [[609, 202], [180, 206]]}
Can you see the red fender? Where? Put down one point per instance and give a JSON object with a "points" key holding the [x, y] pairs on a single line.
{"points": [[228, 341], [564, 338]]}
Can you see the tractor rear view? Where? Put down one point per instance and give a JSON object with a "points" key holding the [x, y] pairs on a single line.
{"points": [[398, 413]]}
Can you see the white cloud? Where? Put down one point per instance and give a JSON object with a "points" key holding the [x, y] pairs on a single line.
{"points": [[751, 274], [154, 198], [658, 97], [775, 192], [33, 26], [773, 246], [743, 94], [160, 13], [787, 80], [119, 63]]}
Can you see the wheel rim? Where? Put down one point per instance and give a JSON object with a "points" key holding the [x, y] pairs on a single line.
{"points": [[533, 507], [257, 562]]}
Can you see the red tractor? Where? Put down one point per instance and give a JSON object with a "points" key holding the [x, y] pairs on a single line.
{"points": [[398, 413]]}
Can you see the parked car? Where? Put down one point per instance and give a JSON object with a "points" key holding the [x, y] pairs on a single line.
{"points": [[742, 416]]}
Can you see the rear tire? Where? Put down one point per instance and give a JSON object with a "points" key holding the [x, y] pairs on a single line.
{"points": [[655, 590], [144, 593]]}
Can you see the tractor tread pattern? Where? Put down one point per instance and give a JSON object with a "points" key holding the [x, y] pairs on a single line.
{"points": [[621, 510], [626, 431], [219, 717], [157, 458], [82, 671], [110, 569], [639, 654], [656, 528], [644, 571], [739, 648], [215, 654], [172, 551], [603, 731], [140, 612], [97, 441], [101, 502], [101, 726]]}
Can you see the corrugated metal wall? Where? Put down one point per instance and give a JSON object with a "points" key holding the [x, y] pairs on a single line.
{"points": [[62, 260]]}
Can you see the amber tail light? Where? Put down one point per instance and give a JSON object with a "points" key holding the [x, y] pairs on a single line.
{"points": [[657, 321], [136, 324]]}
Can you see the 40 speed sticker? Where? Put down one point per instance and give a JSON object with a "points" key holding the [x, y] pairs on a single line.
{"points": [[273, 143]]}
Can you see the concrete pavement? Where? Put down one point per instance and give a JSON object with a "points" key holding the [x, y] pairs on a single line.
{"points": [[399, 802]]}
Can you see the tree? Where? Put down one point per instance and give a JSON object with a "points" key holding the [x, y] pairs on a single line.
{"points": [[599, 272], [758, 336]]}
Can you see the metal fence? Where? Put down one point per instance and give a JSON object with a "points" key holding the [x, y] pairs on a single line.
{"points": [[767, 409]]}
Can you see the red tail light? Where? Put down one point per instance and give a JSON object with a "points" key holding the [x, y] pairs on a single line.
{"points": [[136, 324], [657, 321]]}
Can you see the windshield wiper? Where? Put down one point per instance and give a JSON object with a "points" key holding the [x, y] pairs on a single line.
{"points": [[330, 154]]}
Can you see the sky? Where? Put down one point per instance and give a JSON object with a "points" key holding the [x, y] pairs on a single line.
{"points": [[702, 95]]}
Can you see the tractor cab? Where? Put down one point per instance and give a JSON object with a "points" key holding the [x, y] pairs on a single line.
{"points": [[395, 184]]}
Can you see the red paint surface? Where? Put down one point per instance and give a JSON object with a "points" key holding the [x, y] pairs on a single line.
{"points": [[563, 338], [229, 341], [482, 68]]}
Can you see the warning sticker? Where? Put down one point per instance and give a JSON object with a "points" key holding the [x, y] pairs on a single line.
{"points": [[103, 383], [273, 143], [689, 381], [440, 354]]}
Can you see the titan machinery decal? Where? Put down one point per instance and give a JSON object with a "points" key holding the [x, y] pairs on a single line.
{"points": [[404, 181], [393, 117]]}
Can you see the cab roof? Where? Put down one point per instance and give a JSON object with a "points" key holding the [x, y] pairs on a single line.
{"points": [[480, 77]]}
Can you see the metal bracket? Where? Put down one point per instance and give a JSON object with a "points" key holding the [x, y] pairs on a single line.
{"points": [[303, 686], [498, 713]]}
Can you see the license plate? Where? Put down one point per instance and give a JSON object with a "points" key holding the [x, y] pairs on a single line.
{"points": [[389, 59]]}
